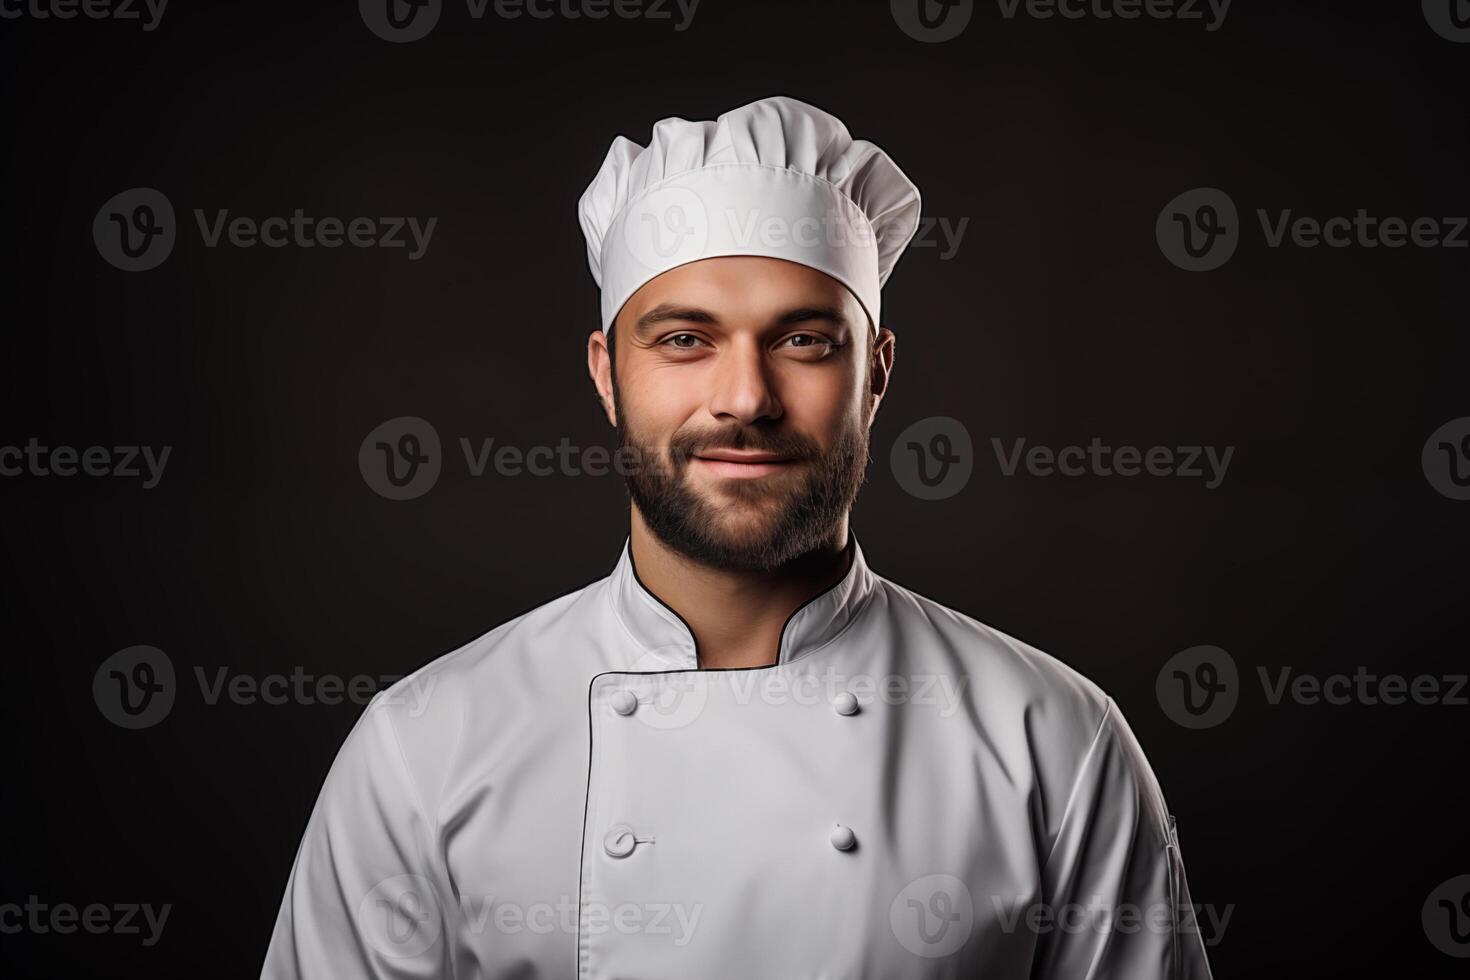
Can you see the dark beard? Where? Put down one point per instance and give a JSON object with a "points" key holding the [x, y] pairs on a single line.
{"points": [[807, 515]]}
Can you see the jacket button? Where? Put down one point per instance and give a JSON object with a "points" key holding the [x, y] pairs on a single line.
{"points": [[846, 703], [619, 842], [843, 838], [625, 702]]}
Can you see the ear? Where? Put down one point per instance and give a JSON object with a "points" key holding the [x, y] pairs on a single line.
{"points": [[599, 367], [880, 367]]}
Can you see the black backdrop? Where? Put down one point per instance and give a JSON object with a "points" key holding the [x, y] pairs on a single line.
{"points": [[1329, 547]]}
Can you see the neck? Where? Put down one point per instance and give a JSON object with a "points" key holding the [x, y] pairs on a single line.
{"points": [[736, 616]]}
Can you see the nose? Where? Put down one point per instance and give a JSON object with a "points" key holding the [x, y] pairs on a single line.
{"points": [[741, 389]]}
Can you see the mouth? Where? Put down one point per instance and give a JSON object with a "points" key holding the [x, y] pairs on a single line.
{"points": [[742, 465]]}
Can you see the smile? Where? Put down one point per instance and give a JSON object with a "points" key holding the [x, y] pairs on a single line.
{"points": [[742, 466]]}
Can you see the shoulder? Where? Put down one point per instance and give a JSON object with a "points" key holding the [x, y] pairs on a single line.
{"points": [[1031, 708], [500, 683], [1009, 674]]}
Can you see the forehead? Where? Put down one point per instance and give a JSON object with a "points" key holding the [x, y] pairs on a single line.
{"points": [[743, 290]]}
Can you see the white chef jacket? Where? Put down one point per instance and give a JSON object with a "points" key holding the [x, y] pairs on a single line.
{"points": [[905, 793]]}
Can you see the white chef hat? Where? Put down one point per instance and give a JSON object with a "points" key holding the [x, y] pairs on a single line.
{"points": [[776, 178]]}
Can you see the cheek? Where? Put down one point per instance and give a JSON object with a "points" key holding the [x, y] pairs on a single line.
{"points": [[822, 404], [657, 403]]}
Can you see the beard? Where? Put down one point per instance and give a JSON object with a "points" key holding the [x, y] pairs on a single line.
{"points": [[772, 521]]}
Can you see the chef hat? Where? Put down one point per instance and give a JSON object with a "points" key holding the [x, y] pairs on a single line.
{"points": [[776, 178]]}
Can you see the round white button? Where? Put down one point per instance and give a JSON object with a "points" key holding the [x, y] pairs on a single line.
{"points": [[619, 842], [843, 838], [625, 702], [846, 703]]}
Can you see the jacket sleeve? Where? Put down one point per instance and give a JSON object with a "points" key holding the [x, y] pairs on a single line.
{"points": [[363, 900], [1117, 904]]}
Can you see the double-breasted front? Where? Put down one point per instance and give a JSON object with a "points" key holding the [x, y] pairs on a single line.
{"points": [[905, 793]]}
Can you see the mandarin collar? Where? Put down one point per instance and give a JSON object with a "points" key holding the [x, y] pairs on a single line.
{"points": [[667, 643]]}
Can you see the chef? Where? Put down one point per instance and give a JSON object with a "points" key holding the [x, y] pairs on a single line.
{"points": [[743, 754]]}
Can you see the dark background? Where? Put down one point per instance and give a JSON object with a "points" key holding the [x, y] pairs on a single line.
{"points": [[1324, 828]]}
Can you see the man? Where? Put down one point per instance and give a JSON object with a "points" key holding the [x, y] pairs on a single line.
{"points": [[742, 754]]}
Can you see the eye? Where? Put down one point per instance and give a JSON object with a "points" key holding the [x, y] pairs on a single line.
{"points": [[811, 344], [682, 341]]}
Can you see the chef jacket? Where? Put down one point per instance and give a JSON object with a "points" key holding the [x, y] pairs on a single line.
{"points": [[904, 793]]}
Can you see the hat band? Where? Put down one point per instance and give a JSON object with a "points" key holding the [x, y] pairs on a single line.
{"points": [[739, 209]]}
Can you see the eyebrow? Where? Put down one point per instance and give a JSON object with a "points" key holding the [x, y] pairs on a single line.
{"points": [[667, 312]]}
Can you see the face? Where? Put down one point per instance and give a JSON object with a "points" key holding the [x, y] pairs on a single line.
{"points": [[744, 388]]}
